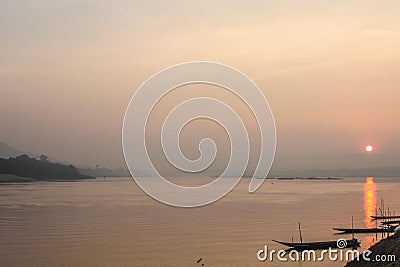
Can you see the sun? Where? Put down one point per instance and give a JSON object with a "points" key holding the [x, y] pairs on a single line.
{"points": [[369, 148]]}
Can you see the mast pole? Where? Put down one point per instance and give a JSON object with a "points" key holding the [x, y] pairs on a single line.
{"points": [[301, 237]]}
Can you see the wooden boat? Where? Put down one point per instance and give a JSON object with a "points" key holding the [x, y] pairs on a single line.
{"points": [[364, 230], [385, 217], [351, 243], [391, 222]]}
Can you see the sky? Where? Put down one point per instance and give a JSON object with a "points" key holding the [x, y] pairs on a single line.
{"points": [[330, 71]]}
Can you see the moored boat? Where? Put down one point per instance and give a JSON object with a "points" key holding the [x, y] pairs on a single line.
{"points": [[351, 243], [364, 230]]}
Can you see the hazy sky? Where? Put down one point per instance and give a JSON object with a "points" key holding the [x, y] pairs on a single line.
{"points": [[329, 69]]}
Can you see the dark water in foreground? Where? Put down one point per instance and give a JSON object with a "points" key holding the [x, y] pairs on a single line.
{"points": [[111, 222]]}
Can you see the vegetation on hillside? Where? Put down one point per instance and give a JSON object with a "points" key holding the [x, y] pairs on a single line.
{"points": [[39, 169]]}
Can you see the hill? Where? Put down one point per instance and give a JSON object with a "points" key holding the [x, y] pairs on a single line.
{"points": [[7, 151], [25, 166]]}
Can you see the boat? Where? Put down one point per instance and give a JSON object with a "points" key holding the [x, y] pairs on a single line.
{"points": [[364, 230], [351, 243], [385, 217], [397, 222]]}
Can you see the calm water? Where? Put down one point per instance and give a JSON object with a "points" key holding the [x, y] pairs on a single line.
{"points": [[111, 222]]}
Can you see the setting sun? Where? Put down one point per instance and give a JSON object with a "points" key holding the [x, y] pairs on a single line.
{"points": [[369, 148]]}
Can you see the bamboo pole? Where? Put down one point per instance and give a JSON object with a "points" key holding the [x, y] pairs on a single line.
{"points": [[301, 237]]}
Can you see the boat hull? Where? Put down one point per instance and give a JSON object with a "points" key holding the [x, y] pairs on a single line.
{"points": [[364, 230], [352, 243]]}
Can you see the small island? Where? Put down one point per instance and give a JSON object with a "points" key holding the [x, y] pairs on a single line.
{"points": [[28, 169]]}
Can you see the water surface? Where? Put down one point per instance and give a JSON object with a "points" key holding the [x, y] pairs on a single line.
{"points": [[111, 222]]}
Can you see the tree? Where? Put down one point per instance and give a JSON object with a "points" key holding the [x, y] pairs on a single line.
{"points": [[43, 158]]}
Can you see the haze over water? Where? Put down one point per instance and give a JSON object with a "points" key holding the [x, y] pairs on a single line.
{"points": [[111, 222], [330, 71], [69, 68]]}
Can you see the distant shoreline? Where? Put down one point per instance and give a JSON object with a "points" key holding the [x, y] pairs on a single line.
{"points": [[11, 178], [26, 169]]}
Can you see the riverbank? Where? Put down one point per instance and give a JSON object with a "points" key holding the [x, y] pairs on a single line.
{"points": [[388, 246], [10, 178]]}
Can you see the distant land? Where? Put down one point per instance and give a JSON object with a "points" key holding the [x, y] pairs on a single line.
{"points": [[17, 169], [104, 171], [7, 151], [342, 172]]}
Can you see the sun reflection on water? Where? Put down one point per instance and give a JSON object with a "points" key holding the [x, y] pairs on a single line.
{"points": [[370, 209], [369, 202]]}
